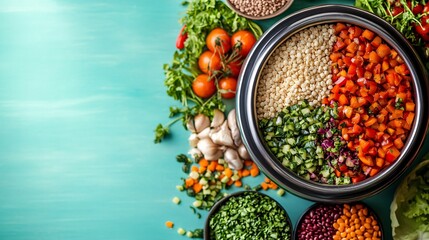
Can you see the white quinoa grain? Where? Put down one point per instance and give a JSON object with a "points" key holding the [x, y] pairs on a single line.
{"points": [[298, 69]]}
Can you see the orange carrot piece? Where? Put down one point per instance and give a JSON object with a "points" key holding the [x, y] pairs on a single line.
{"points": [[368, 34], [197, 187], [245, 172], [238, 183], [219, 168], [398, 143], [202, 169], [212, 166], [248, 162], [264, 185], [409, 106], [228, 172], [267, 180], [203, 162], [194, 169], [383, 50], [169, 224], [189, 182], [254, 171]]}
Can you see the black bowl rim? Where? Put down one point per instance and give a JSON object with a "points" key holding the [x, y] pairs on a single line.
{"points": [[316, 204], [246, 112], [220, 203]]}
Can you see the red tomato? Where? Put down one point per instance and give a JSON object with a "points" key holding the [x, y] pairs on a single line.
{"points": [[203, 86], [218, 41], [209, 62], [243, 41], [233, 68], [426, 8], [397, 10], [180, 42], [423, 29], [227, 87]]}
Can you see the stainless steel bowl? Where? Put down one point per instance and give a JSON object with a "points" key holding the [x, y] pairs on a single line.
{"points": [[246, 103]]}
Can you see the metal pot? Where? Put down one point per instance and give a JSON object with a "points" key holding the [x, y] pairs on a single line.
{"points": [[246, 103]]}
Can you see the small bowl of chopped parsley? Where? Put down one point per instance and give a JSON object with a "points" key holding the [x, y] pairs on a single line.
{"points": [[247, 215]]}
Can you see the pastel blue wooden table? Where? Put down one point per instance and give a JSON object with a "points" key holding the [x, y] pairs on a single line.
{"points": [[81, 90]]}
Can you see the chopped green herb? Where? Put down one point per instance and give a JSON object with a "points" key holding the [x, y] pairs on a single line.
{"points": [[250, 216]]}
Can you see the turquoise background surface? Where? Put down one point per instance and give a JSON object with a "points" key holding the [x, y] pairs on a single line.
{"points": [[81, 90]]}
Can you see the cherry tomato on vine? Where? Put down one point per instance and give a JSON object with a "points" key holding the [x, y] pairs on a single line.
{"points": [[243, 41], [209, 62], [228, 87], [218, 41], [203, 86], [233, 68], [423, 29], [426, 8]]}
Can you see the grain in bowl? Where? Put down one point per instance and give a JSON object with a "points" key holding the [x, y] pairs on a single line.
{"points": [[335, 103]]}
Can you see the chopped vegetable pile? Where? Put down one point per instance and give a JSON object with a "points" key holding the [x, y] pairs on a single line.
{"points": [[364, 121], [250, 215], [410, 206], [203, 62], [410, 17]]}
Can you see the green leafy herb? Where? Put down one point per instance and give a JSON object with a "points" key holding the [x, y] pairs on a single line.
{"points": [[409, 210], [187, 162], [250, 216], [201, 17]]}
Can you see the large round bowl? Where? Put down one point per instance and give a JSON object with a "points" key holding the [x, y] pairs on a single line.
{"points": [[246, 103]]}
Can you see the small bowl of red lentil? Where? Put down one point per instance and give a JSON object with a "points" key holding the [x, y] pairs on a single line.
{"points": [[332, 104], [259, 9], [339, 221]]}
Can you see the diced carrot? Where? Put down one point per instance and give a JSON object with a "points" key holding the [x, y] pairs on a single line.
{"points": [[352, 47], [203, 162], [238, 183], [390, 131], [254, 171], [397, 113], [376, 41], [339, 27], [374, 57], [335, 56], [264, 185], [267, 180], [348, 111], [273, 185], [410, 118], [370, 121], [343, 100], [230, 182], [402, 69], [379, 162], [383, 50], [381, 153], [202, 169], [398, 143], [245, 172], [367, 160], [373, 171], [228, 172], [169, 224], [368, 34], [197, 187], [189, 182], [212, 166], [194, 169], [248, 162], [395, 123], [410, 106], [219, 168]]}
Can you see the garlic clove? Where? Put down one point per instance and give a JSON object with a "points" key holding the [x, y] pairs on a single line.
{"points": [[201, 122], [193, 140], [218, 118], [232, 158], [222, 136], [232, 124], [204, 133], [209, 149], [242, 151], [190, 125]]}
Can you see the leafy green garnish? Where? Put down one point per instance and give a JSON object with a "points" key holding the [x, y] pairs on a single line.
{"points": [[201, 17], [410, 206]]}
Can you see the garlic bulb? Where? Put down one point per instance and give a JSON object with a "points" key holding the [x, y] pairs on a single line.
{"points": [[204, 133], [232, 158], [210, 150]]}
